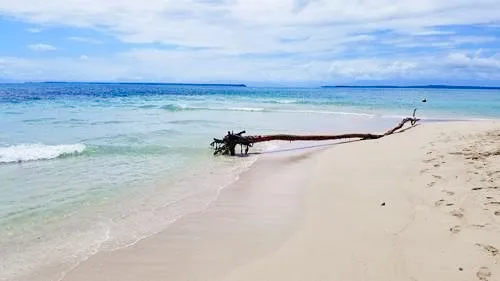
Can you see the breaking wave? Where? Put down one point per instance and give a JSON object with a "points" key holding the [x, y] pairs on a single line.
{"points": [[34, 152], [176, 108]]}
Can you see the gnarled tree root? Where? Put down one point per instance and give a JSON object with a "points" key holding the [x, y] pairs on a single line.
{"points": [[227, 145]]}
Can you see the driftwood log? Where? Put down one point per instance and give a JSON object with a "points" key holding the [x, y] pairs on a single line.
{"points": [[227, 145]]}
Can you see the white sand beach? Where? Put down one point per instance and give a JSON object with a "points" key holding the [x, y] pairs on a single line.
{"points": [[419, 205]]}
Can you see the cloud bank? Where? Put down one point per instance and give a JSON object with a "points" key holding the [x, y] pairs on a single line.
{"points": [[262, 40]]}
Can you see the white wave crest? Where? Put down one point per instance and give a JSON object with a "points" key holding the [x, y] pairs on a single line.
{"points": [[328, 112], [33, 152], [251, 109], [280, 101]]}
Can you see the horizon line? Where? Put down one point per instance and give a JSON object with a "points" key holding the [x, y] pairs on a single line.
{"points": [[243, 85], [458, 87]]}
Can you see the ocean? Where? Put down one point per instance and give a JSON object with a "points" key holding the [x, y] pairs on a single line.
{"points": [[95, 167]]}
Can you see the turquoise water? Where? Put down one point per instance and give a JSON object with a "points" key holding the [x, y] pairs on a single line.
{"points": [[89, 167]]}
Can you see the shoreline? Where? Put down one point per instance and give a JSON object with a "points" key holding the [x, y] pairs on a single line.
{"points": [[226, 210], [109, 229], [129, 181], [231, 208]]}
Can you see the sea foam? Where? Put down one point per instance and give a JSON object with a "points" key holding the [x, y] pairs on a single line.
{"points": [[34, 152]]}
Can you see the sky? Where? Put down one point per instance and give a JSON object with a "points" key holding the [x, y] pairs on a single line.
{"points": [[293, 42]]}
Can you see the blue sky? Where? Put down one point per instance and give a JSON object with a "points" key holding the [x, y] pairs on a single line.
{"points": [[253, 41]]}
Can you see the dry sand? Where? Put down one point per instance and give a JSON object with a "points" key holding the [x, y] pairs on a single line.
{"points": [[420, 205]]}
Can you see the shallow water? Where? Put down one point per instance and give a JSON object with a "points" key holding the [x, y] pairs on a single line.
{"points": [[86, 167]]}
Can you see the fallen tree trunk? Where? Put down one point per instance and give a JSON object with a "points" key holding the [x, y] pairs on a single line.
{"points": [[227, 145]]}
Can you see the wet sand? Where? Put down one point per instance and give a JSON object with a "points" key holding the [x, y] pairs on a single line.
{"points": [[420, 205]]}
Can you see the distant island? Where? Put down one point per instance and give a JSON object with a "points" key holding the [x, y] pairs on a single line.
{"points": [[148, 83], [419, 87]]}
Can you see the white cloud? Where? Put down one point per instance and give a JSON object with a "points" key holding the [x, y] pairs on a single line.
{"points": [[64, 69], [88, 40], [266, 40], [448, 41], [42, 47], [203, 66], [473, 39], [252, 25], [474, 61], [34, 30], [372, 69], [430, 32]]}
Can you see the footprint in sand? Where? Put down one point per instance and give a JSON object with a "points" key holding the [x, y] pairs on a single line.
{"points": [[437, 165], [489, 174], [437, 177], [429, 160], [483, 273], [458, 213], [497, 213], [488, 248], [492, 203], [431, 184], [424, 171], [450, 193], [439, 203], [480, 225], [456, 229]]}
